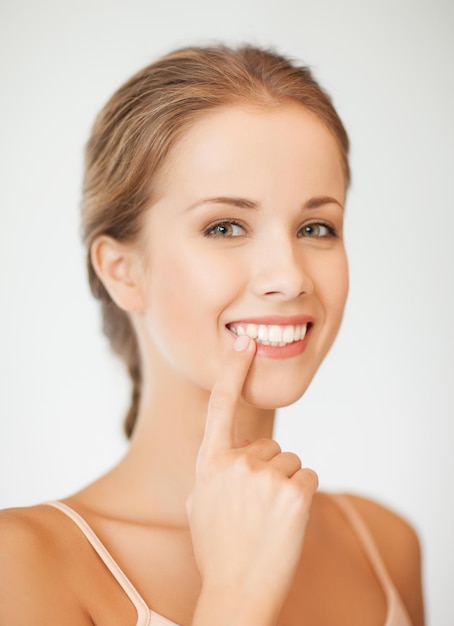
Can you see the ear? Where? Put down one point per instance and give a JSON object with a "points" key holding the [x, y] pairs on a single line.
{"points": [[118, 268]]}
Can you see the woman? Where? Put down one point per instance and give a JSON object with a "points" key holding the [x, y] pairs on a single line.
{"points": [[213, 215]]}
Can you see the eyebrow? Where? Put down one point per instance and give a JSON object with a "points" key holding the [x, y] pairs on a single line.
{"points": [[244, 203], [241, 203], [318, 201]]}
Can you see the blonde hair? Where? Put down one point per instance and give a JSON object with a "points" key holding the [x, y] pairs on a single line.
{"points": [[134, 132]]}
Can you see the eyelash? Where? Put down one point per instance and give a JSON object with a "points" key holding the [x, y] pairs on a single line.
{"points": [[331, 231], [208, 232]]}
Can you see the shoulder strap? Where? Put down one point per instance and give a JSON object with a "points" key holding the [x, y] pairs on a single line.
{"points": [[396, 614], [143, 612]]}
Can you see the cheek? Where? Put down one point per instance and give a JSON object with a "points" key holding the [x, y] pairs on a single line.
{"points": [[187, 295], [190, 284], [332, 286], [177, 288]]}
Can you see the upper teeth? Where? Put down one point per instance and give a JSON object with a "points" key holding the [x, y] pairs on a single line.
{"points": [[271, 335]]}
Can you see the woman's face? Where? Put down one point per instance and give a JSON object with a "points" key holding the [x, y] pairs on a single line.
{"points": [[246, 236]]}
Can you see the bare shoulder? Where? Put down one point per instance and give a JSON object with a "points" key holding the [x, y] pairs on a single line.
{"points": [[33, 577], [24, 537], [399, 547]]}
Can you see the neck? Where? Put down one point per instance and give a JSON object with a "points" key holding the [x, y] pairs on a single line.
{"points": [[156, 476]]}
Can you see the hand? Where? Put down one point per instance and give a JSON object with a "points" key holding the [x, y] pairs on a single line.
{"points": [[249, 507]]}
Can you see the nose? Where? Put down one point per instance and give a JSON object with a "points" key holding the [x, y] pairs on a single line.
{"points": [[281, 270]]}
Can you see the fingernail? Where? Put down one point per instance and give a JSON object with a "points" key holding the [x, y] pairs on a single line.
{"points": [[241, 343]]}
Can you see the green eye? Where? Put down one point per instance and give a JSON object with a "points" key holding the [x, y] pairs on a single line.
{"points": [[317, 230], [225, 229]]}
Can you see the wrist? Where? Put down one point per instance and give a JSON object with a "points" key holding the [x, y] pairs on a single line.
{"points": [[236, 605]]}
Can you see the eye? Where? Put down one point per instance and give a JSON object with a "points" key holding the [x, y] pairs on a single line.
{"points": [[317, 230], [227, 228]]}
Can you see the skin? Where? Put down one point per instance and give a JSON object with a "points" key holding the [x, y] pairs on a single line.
{"points": [[268, 270], [268, 551]]}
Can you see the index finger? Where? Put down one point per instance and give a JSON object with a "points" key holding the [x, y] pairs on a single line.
{"points": [[220, 422]]}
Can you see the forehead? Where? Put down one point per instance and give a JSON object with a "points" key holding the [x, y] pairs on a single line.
{"points": [[249, 150]]}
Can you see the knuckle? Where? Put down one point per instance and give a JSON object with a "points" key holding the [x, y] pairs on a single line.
{"points": [[268, 445], [293, 458], [274, 446], [248, 463], [303, 484], [311, 478], [306, 481], [296, 499]]}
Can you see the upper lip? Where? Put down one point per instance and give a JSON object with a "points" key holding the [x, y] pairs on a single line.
{"points": [[275, 320]]}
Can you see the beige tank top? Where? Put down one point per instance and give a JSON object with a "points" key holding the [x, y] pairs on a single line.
{"points": [[396, 613]]}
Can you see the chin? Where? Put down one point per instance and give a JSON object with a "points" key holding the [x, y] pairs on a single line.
{"points": [[269, 404], [273, 385], [272, 396]]}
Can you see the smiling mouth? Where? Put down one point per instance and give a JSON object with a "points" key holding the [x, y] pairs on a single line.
{"points": [[272, 334]]}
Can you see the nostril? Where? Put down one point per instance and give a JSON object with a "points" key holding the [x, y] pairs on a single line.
{"points": [[281, 279], [286, 293]]}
